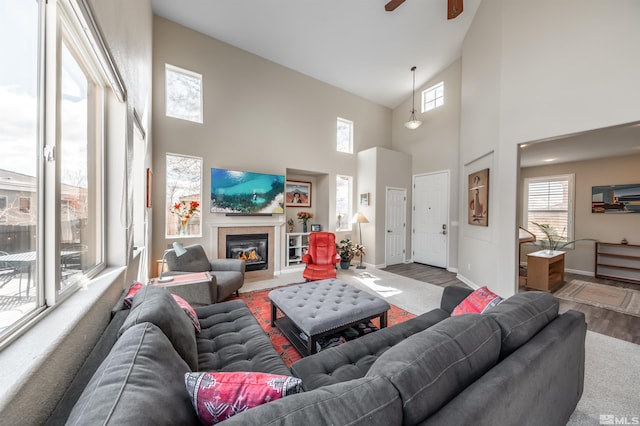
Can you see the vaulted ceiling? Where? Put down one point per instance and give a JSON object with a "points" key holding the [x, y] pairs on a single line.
{"points": [[352, 44]]}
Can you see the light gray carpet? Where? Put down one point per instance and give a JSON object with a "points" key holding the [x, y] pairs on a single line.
{"points": [[612, 366], [611, 382]]}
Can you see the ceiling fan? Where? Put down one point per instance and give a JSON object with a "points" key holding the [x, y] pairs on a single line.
{"points": [[454, 7]]}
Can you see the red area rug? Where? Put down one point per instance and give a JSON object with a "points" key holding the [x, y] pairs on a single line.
{"points": [[260, 306]]}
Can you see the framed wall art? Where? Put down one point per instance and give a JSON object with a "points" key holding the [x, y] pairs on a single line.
{"points": [[149, 202], [615, 198], [297, 194], [478, 210], [364, 199]]}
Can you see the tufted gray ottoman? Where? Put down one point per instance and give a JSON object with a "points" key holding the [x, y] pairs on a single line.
{"points": [[321, 308]]}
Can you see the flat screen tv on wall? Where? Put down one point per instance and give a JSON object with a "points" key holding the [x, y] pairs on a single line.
{"points": [[246, 193]]}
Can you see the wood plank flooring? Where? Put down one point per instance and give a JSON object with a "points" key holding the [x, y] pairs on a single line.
{"points": [[599, 320]]}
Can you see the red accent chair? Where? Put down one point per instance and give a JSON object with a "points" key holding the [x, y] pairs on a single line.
{"points": [[321, 258]]}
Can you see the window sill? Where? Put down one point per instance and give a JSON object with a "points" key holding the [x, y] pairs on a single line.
{"points": [[62, 338]]}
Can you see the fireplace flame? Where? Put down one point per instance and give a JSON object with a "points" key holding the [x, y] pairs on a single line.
{"points": [[252, 256]]}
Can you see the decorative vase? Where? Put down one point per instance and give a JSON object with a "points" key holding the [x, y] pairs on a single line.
{"points": [[304, 226], [344, 264], [183, 226]]}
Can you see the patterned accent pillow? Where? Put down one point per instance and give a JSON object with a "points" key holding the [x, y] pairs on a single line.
{"points": [[219, 396], [135, 287], [191, 313], [480, 301]]}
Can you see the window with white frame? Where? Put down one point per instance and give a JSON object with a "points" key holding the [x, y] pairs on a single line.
{"points": [[344, 185], [344, 136], [183, 90], [70, 128], [433, 97], [549, 200], [184, 199]]}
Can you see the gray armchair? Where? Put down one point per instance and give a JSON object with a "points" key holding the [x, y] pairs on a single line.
{"points": [[227, 274]]}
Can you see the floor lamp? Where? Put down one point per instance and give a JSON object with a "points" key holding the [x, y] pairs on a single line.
{"points": [[180, 250], [359, 218]]}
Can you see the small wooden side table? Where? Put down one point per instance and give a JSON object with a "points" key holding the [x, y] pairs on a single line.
{"points": [[193, 278], [545, 270]]}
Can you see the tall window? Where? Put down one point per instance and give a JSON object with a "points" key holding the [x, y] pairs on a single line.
{"points": [[66, 181], [184, 199], [549, 200], [345, 136], [344, 186], [433, 97], [183, 94]]}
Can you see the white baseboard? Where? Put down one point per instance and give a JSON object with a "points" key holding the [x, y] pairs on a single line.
{"points": [[467, 282], [577, 272]]}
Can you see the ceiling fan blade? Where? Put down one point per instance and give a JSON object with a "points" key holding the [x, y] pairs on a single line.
{"points": [[454, 8], [391, 6]]}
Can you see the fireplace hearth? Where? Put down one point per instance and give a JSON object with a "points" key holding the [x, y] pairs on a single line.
{"points": [[252, 248]]}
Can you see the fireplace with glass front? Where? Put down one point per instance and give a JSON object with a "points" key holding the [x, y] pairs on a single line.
{"points": [[252, 248]]}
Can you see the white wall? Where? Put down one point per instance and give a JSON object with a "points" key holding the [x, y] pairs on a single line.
{"points": [[533, 70], [434, 146], [379, 168], [258, 116]]}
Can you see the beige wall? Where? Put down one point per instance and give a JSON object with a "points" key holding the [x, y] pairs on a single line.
{"points": [[520, 84], [607, 228], [434, 146], [258, 116]]}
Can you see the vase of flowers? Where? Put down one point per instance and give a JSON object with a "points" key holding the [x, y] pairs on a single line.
{"points": [[184, 210], [304, 218]]}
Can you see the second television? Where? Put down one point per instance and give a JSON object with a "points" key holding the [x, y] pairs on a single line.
{"points": [[249, 193]]}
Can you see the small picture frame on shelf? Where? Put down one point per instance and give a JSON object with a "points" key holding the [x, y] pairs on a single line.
{"points": [[316, 227]]}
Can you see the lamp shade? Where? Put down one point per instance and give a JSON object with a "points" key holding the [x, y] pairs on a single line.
{"points": [[359, 218], [179, 249]]}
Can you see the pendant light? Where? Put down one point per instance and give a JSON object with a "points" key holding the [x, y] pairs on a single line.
{"points": [[413, 122]]}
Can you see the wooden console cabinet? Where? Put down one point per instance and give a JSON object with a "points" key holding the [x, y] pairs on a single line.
{"points": [[618, 261], [545, 270]]}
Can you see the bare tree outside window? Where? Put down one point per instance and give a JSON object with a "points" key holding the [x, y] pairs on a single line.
{"points": [[183, 94]]}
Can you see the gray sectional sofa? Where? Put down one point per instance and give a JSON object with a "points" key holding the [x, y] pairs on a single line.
{"points": [[519, 364]]}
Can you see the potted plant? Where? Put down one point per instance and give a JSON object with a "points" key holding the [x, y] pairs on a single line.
{"points": [[345, 251], [555, 241]]}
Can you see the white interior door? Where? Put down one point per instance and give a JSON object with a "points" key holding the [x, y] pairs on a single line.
{"points": [[431, 218], [396, 226]]}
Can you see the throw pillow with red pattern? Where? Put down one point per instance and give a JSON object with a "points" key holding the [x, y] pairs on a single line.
{"points": [[481, 300], [128, 299], [191, 313], [219, 396]]}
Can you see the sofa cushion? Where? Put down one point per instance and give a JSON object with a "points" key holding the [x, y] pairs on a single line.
{"points": [[433, 366], [521, 316], [232, 340], [219, 396], [141, 374], [481, 300], [156, 305], [353, 359], [369, 401], [194, 260]]}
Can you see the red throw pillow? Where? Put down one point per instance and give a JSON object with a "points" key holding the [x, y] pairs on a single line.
{"points": [[218, 396], [128, 299], [477, 302], [191, 313]]}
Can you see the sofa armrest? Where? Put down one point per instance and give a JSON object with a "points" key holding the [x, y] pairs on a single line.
{"points": [[452, 296], [228, 265], [196, 294]]}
